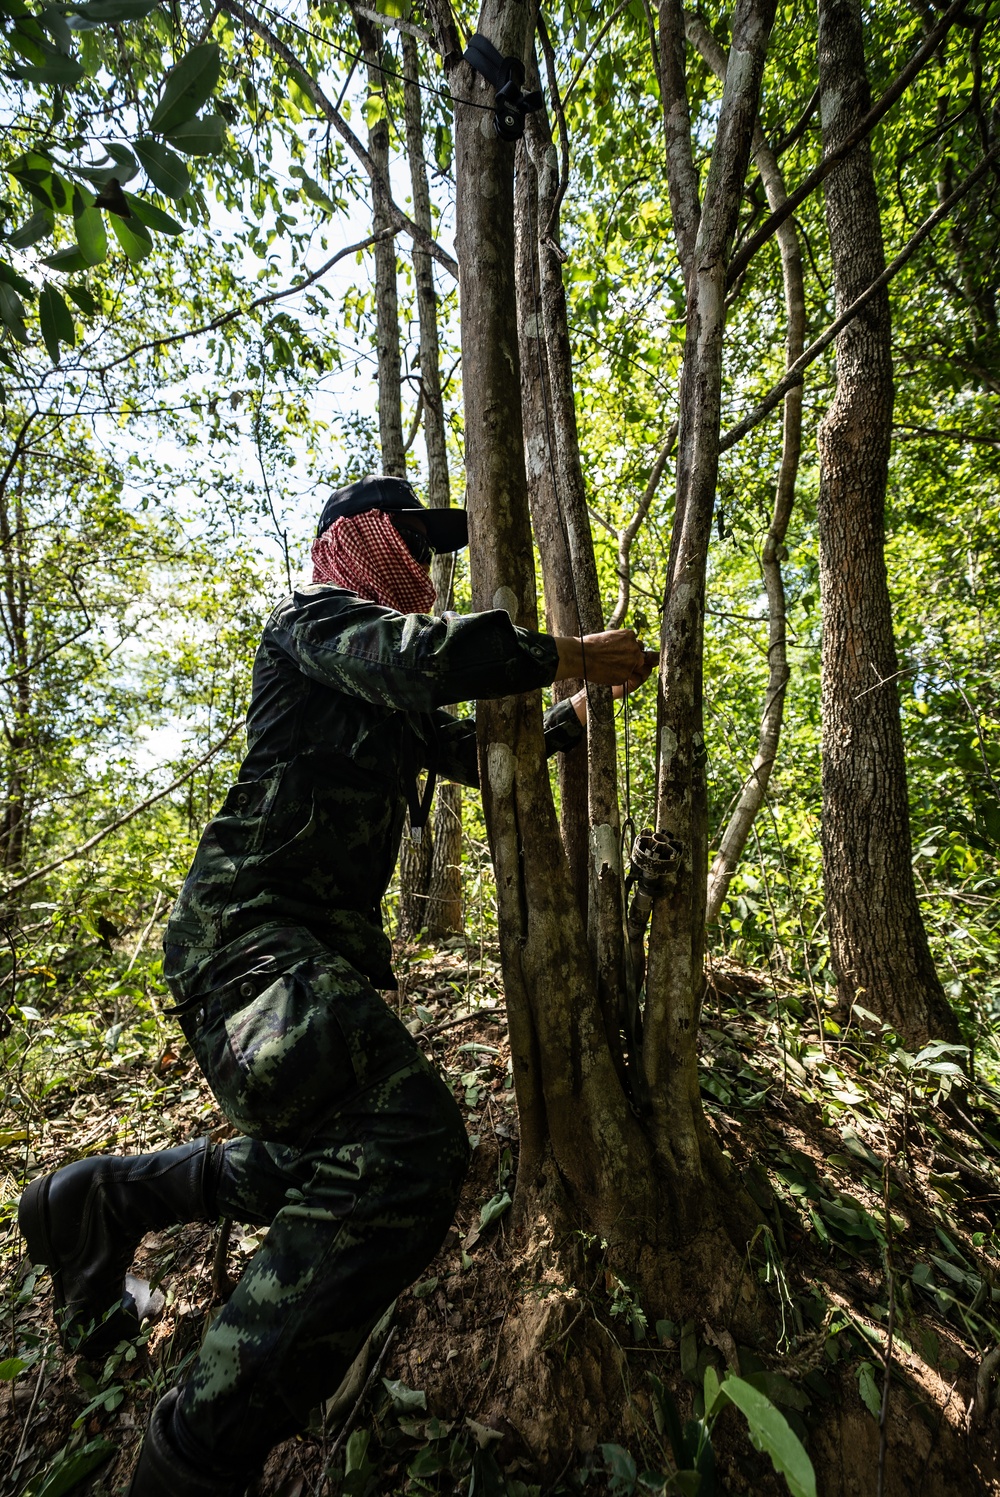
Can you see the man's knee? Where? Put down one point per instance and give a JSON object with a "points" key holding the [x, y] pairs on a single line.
{"points": [[410, 1144]]}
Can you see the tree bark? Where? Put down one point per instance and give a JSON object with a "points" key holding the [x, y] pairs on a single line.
{"points": [[682, 174], [675, 976], [734, 837], [560, 606], [15, 606], [567, 549], [414, 857], [390, 419], [878, 944], [578, 1137], [431, 891]]}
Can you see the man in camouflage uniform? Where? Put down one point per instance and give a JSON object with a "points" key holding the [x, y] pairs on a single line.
{"points": [[351, 1147]]}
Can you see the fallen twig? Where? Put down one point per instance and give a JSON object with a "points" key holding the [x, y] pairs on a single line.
{"points": [[348, 1424]]}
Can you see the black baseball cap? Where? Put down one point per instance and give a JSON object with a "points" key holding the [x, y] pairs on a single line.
{"points": [[447, 529]]}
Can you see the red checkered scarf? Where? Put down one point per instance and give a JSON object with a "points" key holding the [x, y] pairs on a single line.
{"points": [[367, 555]]}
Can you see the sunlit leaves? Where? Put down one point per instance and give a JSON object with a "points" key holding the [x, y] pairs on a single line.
{"points": [[188, 86], [37, 175], [133, 237], [153, 217], [37, 227], [59, 70], [68, 260], [203, 136], [60, 51], [88, 223], [12, 312], [56, 321], [163, 167], [115, 10]]}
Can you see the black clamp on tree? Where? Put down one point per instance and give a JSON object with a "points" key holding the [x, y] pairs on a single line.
{"points": [[506, 74]]}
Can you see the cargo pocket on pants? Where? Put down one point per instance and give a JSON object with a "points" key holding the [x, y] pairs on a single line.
{"points": [[274, 1053]]}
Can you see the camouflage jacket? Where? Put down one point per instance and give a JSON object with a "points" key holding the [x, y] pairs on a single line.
{"points": [[345, 712]]}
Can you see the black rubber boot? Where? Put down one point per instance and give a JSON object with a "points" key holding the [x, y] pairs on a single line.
{"points": [[164, 1472], [84, 1222]]}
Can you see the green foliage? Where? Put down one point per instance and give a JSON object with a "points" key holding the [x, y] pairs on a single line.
{"points": [[70, 1468], [52, 176], [768, 1427], [690, 1444]]}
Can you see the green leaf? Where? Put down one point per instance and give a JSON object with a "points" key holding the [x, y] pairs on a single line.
{"points": [[356, 1453], [12, 312], [771, 1432], [59, 70], [187, 88], [163, 167], [38, 178], [689, 1351], [868, 1388], [68, 1473], [373, 109], [621, 1468], [126, 163], [56, 321], [317, 194], [91, 235], [668, 1421], [405, 1400], [153, 217], [115, 10], [38, 225], [87, 303], [134, 238], [200, 137], [712, 1386], [940, 1047], [55, 24], [10, 277], [11, 1368], [779, 1389], [494, 1208], [68, 261]]}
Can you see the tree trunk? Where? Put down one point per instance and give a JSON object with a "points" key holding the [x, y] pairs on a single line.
{"points": [[675, 978], [734, 837], [560, 606], [390, 419], [15, 569], [673, 1221], [565, 541], [878, 944], [414, 857], [444, 893], [432, 890], [579, 1141]]}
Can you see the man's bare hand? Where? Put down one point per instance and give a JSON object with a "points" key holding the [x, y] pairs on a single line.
{"points": [[614, 658], [650, 662]]}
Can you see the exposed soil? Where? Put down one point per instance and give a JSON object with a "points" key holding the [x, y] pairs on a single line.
{"points": [[520, 1360]]}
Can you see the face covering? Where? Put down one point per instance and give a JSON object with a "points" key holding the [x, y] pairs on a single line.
{"points": [[367, 555]]}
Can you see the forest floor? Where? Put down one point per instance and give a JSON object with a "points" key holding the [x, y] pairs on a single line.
{"points": [[856, 1252]]}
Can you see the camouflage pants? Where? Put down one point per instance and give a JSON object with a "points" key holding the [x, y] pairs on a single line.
{"points": [[353, 1152]]}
